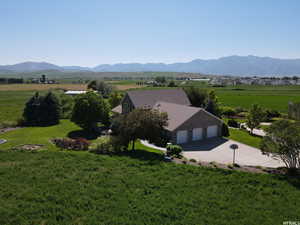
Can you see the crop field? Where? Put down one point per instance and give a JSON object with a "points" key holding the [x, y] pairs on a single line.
{"points": [[269, 97]]}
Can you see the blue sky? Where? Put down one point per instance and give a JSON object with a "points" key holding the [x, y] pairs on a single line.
{"points": [[92, 32]]}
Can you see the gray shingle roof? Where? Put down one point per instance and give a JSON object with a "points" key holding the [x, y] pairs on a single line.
{"points": [[177, 114], [141, 98]]}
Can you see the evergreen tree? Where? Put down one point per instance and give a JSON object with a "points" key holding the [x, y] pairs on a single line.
{"points": [[50, 110], [42, 111], [197, 96], [31, 112]]}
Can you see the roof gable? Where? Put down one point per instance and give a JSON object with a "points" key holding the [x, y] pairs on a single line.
{"points": [[179, 114], [148, 98]]}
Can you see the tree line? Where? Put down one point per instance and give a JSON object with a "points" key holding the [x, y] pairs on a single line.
{"points": [[11, 80]]}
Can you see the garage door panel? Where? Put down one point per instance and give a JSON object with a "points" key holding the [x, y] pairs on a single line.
{"points": [[182, 136], [212, 131], [197, 134]]}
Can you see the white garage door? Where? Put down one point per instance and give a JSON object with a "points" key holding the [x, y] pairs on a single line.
{"points": [[197, 134], [182, 136], [212, 131]]}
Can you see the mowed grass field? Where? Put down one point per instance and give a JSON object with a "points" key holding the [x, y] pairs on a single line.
{"points": [[51, 187]]}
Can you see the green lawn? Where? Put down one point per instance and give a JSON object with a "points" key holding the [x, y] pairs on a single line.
{"points": [[244, 137], [38, 135], [52, 187]]}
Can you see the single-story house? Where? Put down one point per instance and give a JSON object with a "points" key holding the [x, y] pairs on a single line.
{"points": [[186, 124]]}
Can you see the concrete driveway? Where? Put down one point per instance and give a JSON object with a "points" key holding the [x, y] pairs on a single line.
{"points": [[218, 150]]}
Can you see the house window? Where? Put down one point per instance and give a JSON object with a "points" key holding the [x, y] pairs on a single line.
{"points": [[126, 107]]}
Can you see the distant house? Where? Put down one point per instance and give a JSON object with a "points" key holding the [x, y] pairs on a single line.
{"points": [[72, 93], [186, 124]]}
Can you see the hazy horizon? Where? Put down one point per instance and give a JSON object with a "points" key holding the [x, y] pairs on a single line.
{"points": [[29, 61]]}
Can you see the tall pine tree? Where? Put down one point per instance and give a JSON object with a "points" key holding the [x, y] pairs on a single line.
{"points": [[42, 111], [50, 110]]}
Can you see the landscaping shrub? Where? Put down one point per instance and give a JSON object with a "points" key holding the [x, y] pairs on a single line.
{"points": [[72, 144], [174, 151], [109, 145], [104, 147], [161, 140], [172, 84], [225, 130], [272, 113], [228, 111], [233, 123]]}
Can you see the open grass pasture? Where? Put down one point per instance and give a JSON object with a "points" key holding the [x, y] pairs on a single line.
{"points": [[12, 104], [51, 187]]}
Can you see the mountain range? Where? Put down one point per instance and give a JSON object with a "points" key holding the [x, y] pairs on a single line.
{"points": [[230, 65]]}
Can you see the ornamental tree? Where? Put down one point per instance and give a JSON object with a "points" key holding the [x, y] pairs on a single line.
{"points": [[143, 124], [255, 117], [90, 108], [282, 141]]}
